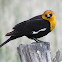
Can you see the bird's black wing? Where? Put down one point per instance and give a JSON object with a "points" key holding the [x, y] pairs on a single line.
{"points": [[37, 25], [22, 24], [33, 24]]}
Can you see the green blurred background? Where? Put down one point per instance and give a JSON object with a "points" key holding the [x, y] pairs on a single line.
{"points": [[14, 11]]}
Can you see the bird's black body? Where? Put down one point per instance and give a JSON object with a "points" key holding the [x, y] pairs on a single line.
{"points": [[27, 28], [34, 24]]}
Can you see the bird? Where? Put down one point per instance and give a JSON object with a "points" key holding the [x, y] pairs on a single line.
{"points": [[34, 28]]}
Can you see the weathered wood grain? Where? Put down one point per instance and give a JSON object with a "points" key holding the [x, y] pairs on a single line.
{"points": [[57, 57], [35, 52]]}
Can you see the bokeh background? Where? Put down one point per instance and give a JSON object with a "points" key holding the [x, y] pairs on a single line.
{"points": [[14, 11]]}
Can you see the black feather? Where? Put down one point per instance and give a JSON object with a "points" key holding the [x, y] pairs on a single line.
{"points": [[11, 38], [27, 27]]}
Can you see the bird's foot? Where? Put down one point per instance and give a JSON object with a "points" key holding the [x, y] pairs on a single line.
{"points": [[38, 41]]}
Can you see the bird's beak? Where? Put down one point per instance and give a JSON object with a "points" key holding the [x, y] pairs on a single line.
{"points": [[48, 15]]}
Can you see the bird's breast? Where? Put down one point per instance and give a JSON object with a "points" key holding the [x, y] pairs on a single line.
{"points": [[52, 24]]}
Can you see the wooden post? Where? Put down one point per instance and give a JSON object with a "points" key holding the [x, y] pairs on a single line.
{"points": [[35, 52], [57, 57]]}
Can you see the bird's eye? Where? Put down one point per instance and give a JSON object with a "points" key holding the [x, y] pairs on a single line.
{"points": [[45, 15], [50, 15]]}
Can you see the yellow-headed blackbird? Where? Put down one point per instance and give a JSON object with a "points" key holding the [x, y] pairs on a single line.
{"points": [[34, 28]]}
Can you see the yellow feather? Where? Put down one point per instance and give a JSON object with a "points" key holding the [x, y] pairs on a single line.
{"points": [[52, 24], [52, 19]]}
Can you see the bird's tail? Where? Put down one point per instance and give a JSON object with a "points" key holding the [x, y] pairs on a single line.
{"points": [[11, 33], [11, 38], [5, 42]]}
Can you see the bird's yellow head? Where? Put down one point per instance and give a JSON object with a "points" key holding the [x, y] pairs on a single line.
{"points": [[50, 16]]}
